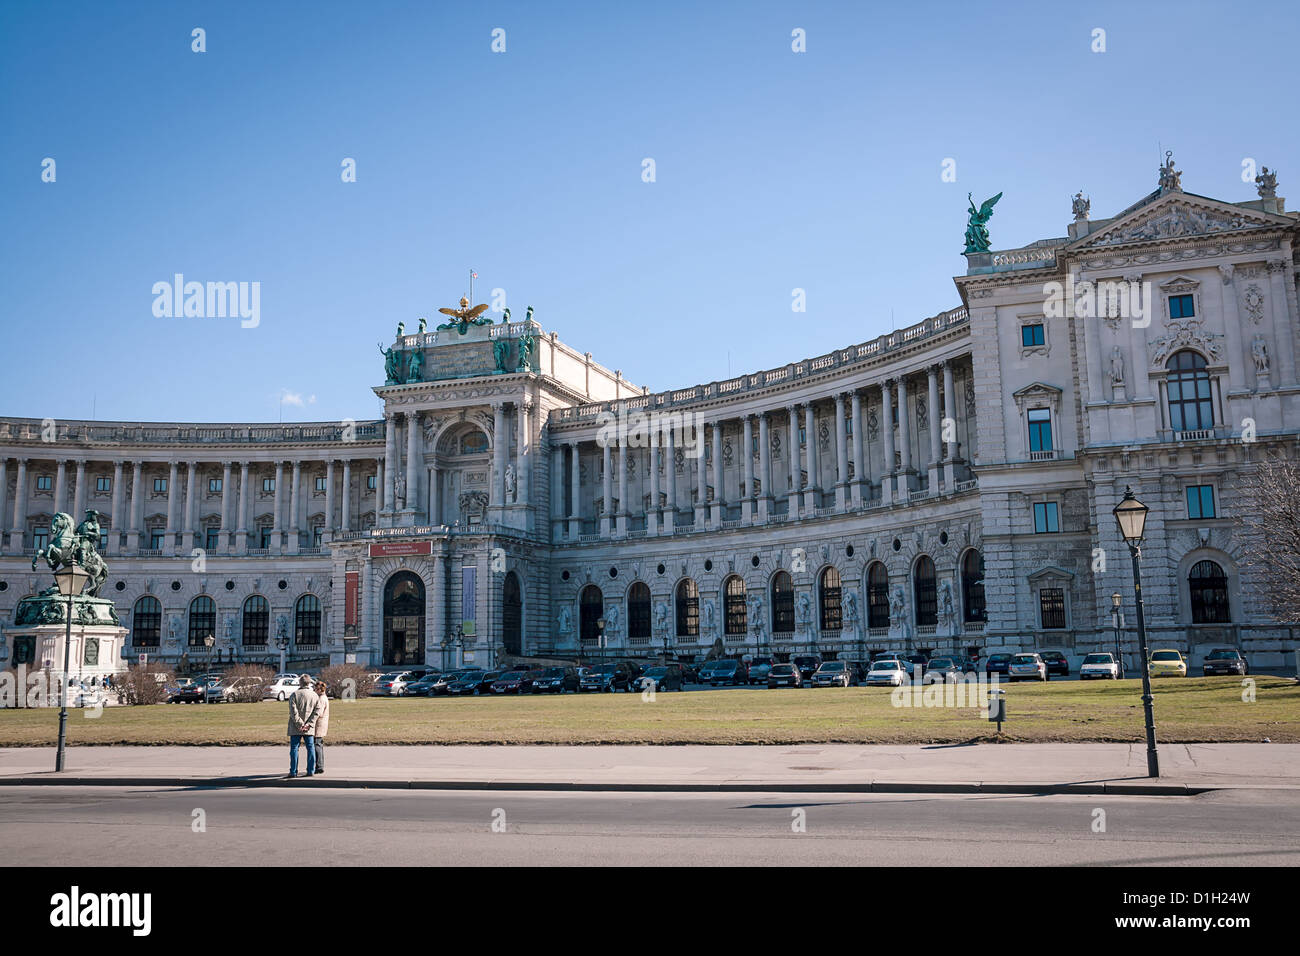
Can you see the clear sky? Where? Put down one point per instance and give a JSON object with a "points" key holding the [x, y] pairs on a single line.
{"points": [[774, 170]]}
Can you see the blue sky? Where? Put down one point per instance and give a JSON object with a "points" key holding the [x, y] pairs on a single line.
{"points": [[774, 171]]}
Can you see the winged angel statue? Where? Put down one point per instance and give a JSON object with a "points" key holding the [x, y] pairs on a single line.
{"points": [[977, 237]]}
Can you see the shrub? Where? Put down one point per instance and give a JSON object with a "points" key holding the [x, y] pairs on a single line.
{"points": [[143, 684], [343, 681], [247, 682]]}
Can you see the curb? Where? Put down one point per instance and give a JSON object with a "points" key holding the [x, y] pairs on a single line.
{"points": [[1116, 788]]}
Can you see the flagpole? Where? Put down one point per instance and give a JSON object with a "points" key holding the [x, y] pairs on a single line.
{"points": [[471, 288]]}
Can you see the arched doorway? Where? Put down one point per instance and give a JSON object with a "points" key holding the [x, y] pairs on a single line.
{"points": [[591, 608], [404, 619], [512, 614]]}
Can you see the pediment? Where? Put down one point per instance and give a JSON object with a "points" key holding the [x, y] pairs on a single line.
{"points": [[1178, 216], [1051, 572], [1037, 390]]}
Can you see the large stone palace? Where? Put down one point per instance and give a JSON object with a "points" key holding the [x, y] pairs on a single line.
{"points": [[948, 486]]}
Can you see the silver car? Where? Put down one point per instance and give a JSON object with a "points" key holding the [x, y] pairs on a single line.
{"points": [[1027, 667]]}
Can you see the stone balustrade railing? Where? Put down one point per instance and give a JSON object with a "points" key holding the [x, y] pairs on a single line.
{"points": [[122, 433]]}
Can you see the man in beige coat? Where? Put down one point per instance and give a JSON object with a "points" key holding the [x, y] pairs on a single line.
{"points": [[304, 711]]}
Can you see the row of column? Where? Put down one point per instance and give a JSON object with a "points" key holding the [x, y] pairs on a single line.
{"points": [[183, 516], [804, 481]]}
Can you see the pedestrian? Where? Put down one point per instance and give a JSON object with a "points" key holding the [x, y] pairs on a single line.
{"points": [[322, 725], [304, 709]]}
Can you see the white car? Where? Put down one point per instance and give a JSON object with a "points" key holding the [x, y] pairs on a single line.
{"points": [[281, 688], [887, 673], [392, 684], [1099, 666], [1027, 667]]}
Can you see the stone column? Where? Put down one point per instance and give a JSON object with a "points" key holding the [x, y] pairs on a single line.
{"points": [[932, 409], [950, 415], [811, 493], [606, 489], [575, 490], [524, 454], [497, 495], [792, 454], [1238, 357], [295, 507], [652, 512], [226, 502], [623, 509], [435, 495], [190, 507], [18, 536], [412, 466], [137, 506], [438, 619], [345, 507], [61, 487], [245, 502], [173, 507], [380, 476], [4, 501], [747, 471], [764, 468], [276, 517], [906, 478], [79, 493], [385, 491], [1283, 324], [841, 456], [670, 469], [557, 488], [701, 479], [887, 431], [719, 486], [329, 500], [116, 518], [859, 461]]}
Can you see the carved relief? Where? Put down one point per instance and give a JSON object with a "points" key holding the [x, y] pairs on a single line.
{"points": [[1185, 333]]}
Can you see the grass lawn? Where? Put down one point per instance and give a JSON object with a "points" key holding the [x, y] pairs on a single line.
{"points": [[1188, 710]]}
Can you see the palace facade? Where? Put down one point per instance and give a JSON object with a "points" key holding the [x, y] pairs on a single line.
{"points": [[947, 486]]}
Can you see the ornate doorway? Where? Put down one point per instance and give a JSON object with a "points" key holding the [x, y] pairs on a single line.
{"points": [[404, 620]]}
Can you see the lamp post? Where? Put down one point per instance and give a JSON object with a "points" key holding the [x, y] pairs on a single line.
{"points": [[600, 636], [282, 642], [1132, 517], [208, 642], [1117, 621], [71, 578]]}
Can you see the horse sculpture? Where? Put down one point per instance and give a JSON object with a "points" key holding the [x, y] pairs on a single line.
{"points": [[80, 546]]}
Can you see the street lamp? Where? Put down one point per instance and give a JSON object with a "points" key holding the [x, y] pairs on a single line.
{"points": [[208, 642], [600, 636], [282, 642], [1132, 517], [70, 578], [1117, 621]]}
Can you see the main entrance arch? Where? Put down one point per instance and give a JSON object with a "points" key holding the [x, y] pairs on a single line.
{"points": [[404, 619]]}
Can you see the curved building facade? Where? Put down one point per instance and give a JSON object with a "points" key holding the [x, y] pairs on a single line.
{"points": [[948, 486]]}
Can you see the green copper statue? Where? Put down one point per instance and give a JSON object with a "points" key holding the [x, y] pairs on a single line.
{"points": [[501, 353], [526, 344], [424, 325], [391, 359], [977, 237], [401, 329], [80, 547], [415, 366], [505, 317], [528, 316]]}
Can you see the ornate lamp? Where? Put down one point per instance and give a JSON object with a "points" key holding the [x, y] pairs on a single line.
{"points": [[71, 579], [1132, 517]]}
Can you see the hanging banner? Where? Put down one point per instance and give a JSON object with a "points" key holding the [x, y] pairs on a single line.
{"points": [[468, 597], [351, 602]]}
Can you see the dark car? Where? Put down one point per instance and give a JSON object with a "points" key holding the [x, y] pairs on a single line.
{"points": [[691, 673], [1224, 660], [662, 676], [195, 693], [725, 672], [1057, 663], [916, 665], [473, 682], [998, 664], [784, 675], [607, 677], [422, 687], [833, 674], [807, 665], [556, 680], [859, 672], [442, 684], [511, 682]]}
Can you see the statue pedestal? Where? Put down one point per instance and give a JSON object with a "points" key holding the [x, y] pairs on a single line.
{"points": [[36, 642]]}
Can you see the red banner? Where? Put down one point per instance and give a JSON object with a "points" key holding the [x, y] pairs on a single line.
{"points": [[351, 595], [392, 549]]}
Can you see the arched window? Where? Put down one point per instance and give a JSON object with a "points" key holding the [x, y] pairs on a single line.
{"points": [[1208, 586], [512, 614], [1188, 384], [203, 619], [923, 589], [877, 595], [638, 612], [306, 620], [473, 443], [734, 605], [688, 609], [146, 622], [972, 587], [829, 596], [591, 608], [257, 620], [782, 603]]}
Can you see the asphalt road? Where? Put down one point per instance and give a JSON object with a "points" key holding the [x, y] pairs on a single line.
{"points": [[141, 826]]}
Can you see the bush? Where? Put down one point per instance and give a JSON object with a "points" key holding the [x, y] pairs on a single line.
{"points": [[247, 682], [143, 684], [344, 681]]}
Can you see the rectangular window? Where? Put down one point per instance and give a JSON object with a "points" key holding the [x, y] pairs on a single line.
{"points": [[316, 534], [848, 426], [1051, 608], [159, 486], [103, 483], [268, 485], [212, 539], [265, 539], [1045, 517], [1040, 429], [1031, 335], [156, 540], [103, 541], [320, 483], [41, 538], [1200, 501], [44, 483], [371, 481], [214, 485], [1180, 307], [803, 435]]}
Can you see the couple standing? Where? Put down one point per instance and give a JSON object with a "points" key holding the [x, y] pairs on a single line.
{"points": [[309, 719]]}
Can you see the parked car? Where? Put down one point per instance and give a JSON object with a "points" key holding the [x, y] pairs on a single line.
{"points": [[940, 669], [466, 683], [889, 672], [692, 673], [1167, 662], [724, 672], [281, 688], [1224, 660], [607, 677], [173, 690], [440, 686], [1099, 666], [784, 675], [997, 664], [423, 686], [1057, 663], [511, 682], [758, 670], [225, 690], [859, 671], [916, 665], [1027, 667], [663, 677], [195, 692], [833, 674], [556, 680], [807, 664], [392, 684]]}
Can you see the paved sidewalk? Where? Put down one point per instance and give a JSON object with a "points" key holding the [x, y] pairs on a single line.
{"points": [[1015, 768]]}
